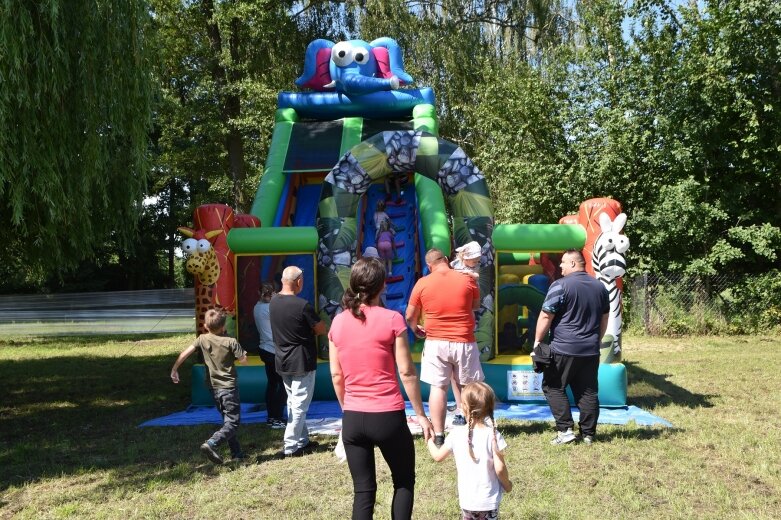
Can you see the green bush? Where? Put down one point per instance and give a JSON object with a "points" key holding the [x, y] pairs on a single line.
{"points": [[677, 305], [754, 304]]}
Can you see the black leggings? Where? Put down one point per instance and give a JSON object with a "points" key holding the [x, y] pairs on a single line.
{"points": [[361, 432], [276, 395]]}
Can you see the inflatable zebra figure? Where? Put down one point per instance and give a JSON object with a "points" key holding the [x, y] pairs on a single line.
{"points": [[607, 259]]}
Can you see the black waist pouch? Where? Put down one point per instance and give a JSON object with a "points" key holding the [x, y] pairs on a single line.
{"points": [[541, 356]]}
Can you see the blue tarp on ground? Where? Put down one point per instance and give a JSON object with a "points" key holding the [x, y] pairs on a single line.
{"points": [[325, 417]]}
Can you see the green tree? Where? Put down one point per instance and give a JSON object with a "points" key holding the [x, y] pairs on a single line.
{"points": [[74, 121], [221, 66], [716, 83]]}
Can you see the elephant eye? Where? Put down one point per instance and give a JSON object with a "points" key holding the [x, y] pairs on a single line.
{"points": [[342, 54], [361, 56]]}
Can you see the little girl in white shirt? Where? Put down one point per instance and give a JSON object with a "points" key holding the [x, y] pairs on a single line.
{"points": [[478, 450], [468, 259]]}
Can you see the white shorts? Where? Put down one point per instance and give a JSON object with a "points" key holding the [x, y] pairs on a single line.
{"points": [[442, 358]]}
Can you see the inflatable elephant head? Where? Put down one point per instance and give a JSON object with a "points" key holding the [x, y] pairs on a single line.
{"points": [[354, 67]]}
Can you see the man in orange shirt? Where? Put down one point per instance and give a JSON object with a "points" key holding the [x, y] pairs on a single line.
{"points": [[447, 300]]}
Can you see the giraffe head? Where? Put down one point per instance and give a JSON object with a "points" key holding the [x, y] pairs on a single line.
{"points": [[613, 245], [201, 258]]}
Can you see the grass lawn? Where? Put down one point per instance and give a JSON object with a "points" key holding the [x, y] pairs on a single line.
{"points": [[70, 445]]}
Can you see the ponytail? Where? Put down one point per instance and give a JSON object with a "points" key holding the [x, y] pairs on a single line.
{"points": [[352, 302], [367, 278]]}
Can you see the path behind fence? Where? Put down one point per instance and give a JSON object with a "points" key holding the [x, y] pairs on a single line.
{"points": [[672, 304], [120, 312]]}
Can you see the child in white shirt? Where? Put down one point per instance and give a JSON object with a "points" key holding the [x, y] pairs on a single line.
{"points": [[478, 450], [380, 215], [468, 259]]}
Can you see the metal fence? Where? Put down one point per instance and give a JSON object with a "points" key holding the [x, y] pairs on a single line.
{"points": [[672, 304], [669, 304], [120, 312]]}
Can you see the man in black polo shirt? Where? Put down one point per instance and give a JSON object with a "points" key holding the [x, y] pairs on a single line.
{"points": [[294, 326], [576, 312]]}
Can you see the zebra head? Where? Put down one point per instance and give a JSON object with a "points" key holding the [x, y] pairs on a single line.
{"points": [[607, 257]]}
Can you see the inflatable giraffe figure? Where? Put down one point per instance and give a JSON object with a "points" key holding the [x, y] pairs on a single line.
{"points": [[209, 260], [213, 264]]}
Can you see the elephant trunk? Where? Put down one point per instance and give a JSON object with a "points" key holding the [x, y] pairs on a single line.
{"points": [[355, 84]]}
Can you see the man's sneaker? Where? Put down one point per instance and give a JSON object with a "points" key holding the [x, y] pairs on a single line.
{"points": [[564, 437], [458, 420], [298, 453], [588, 440], [304, 450], [276, 424], [439, 440], [207, 448]]}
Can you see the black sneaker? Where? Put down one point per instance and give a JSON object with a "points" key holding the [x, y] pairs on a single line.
{"points": [[273, 422], [439, 440], [587, 440], [208, 450], [239, 457], [459, 420]]}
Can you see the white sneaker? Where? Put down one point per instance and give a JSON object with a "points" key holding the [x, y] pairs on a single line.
{"points": [[564, 437]]}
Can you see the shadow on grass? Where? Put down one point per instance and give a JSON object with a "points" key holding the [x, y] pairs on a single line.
{"points": [[63, 415], [648, 390], [516, 428], [606, 436], [321, 444]]}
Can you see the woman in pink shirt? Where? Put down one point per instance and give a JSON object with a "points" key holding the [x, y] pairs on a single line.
{"points": [[367, 344]]}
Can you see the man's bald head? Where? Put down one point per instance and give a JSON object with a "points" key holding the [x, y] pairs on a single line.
{"points": [[434, 256], [292, 280], [291, 274]]}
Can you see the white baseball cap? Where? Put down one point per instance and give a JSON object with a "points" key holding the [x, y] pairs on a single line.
{"points": [[471, 250], [371, 252]]}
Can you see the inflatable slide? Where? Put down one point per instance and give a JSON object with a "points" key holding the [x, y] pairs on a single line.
{"points": [[332, 148]]}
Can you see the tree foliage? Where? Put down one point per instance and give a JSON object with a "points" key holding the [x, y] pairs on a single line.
{"points": [[672, 108], [74, 120]]}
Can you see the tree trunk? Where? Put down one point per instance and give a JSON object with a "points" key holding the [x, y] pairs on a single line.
{"points": [[230, 102]]}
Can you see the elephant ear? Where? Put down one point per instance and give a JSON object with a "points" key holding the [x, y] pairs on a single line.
{"points": [[389, 61], [316, 62]]}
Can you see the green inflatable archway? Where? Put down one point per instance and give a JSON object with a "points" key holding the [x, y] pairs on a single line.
{"points": [[432, 159]]}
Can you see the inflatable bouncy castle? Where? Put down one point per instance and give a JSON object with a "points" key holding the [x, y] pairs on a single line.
{"points": [[358, 121]]}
